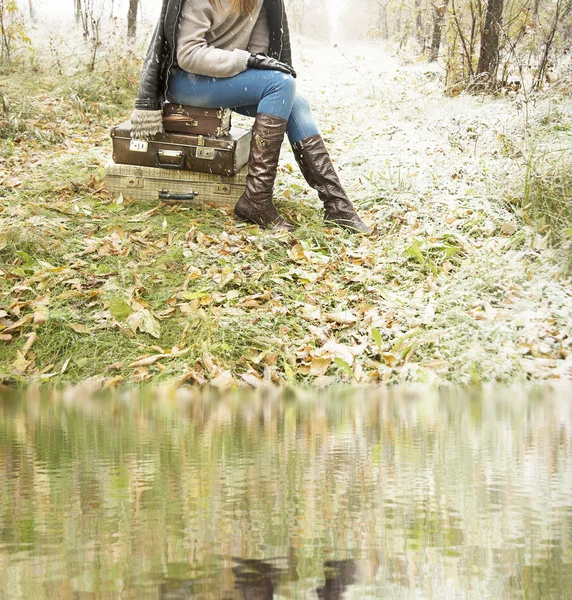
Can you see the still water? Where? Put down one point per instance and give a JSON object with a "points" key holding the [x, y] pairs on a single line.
{"points": [[386, 494]]}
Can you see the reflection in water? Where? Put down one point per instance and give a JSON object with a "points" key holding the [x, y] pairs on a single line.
{"points": [[386, 494], [255, 579], [339, 574]]}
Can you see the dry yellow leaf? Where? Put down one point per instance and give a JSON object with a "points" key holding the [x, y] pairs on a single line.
{"points": [[251, 379], [23, 321], [40, 316], [32, 337], [390, 359], [79, 328], [148, 361], [320, 366], [343, 317], [223, 380], [21, 363]]}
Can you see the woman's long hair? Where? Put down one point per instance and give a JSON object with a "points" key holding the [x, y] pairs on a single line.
{"points": [[239, 7]]}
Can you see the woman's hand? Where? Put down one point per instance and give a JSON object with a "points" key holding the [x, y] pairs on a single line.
{"points": [[264, 62]]}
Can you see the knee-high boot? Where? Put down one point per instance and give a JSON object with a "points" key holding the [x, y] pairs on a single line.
{"points": [[317, 168], [256, 204]]}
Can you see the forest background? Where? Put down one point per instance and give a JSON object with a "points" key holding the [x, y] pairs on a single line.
{"points": [[465, 286]]}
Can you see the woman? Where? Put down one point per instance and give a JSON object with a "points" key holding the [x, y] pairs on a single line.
{"points": [[236, 54]]}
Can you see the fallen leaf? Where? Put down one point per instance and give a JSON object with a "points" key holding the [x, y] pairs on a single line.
{"points": [[319, 366], [112, 382], [141, 373], [79, 328], [40, 316], [251, 379], [344, 366], [32, 337], [197, 377], [311, 312], [509, 228], [344, 317], [390, 359], [297, 253], [144, 321], [65, 366], [23, 321], [147, 362], [223, 380], [377, 338], [334, 349], [21, 363]]}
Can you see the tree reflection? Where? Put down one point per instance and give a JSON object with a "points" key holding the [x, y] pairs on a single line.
{"points": [[103, 497]]}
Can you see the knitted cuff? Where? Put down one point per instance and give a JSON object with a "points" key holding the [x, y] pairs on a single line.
{"points": [[146, 124], [242, 57]]}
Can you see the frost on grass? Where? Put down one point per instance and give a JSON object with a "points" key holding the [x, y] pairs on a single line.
{"points": [[459, 287]]}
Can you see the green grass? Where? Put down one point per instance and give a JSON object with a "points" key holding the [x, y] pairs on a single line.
{"points": [[547, 197], [101, 285]]}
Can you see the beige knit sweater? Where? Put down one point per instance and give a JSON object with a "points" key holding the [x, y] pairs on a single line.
{"points": [[216, 43]]}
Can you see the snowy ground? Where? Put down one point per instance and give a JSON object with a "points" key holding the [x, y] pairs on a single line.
{"points": [[435, 172]]}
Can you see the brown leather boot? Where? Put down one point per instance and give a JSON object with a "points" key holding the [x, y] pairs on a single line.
{"points": [[256, 204], [318, 170]]}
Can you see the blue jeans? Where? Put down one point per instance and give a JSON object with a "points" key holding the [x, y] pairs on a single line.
{"points": [[248, 93]]}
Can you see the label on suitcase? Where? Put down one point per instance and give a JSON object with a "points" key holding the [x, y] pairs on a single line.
{"points": [[178, 152], [181, 187], [196, 121]]}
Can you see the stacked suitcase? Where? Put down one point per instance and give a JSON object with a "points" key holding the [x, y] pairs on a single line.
{"points": [[200, 159]]}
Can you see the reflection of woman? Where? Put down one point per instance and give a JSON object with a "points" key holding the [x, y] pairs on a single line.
{"points": [[236, 54]]}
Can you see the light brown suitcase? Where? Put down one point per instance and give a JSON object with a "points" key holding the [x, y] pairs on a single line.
{"points": [[178, 118], [176, 187], [179, 152]]}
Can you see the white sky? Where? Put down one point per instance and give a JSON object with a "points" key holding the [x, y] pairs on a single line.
{"points": [[52, 10]]}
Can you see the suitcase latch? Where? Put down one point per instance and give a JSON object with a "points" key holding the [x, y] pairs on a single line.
{"points": [[222, 188], [201, 140], [206, 153], [139, 146], [135, 182]]}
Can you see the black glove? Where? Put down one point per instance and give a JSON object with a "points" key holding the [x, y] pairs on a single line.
{"points": [[262, 61]]}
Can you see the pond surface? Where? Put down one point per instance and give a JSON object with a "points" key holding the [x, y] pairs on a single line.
{"points": [[173, 495]]}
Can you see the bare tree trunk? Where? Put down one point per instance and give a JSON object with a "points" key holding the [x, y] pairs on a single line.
{"points": [[563, 9], [489, 56], [31, 9], [77, 10], [438, 20], [132, 19], [382, 23], [419, 34], [4, 45]]}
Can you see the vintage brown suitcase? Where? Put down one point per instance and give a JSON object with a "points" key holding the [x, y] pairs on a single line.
{"points": [[181, 187], [196, 121], [177, 152]]}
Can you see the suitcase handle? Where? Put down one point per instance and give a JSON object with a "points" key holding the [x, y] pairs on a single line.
{"points": [[166, 197], [179, 167]]}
